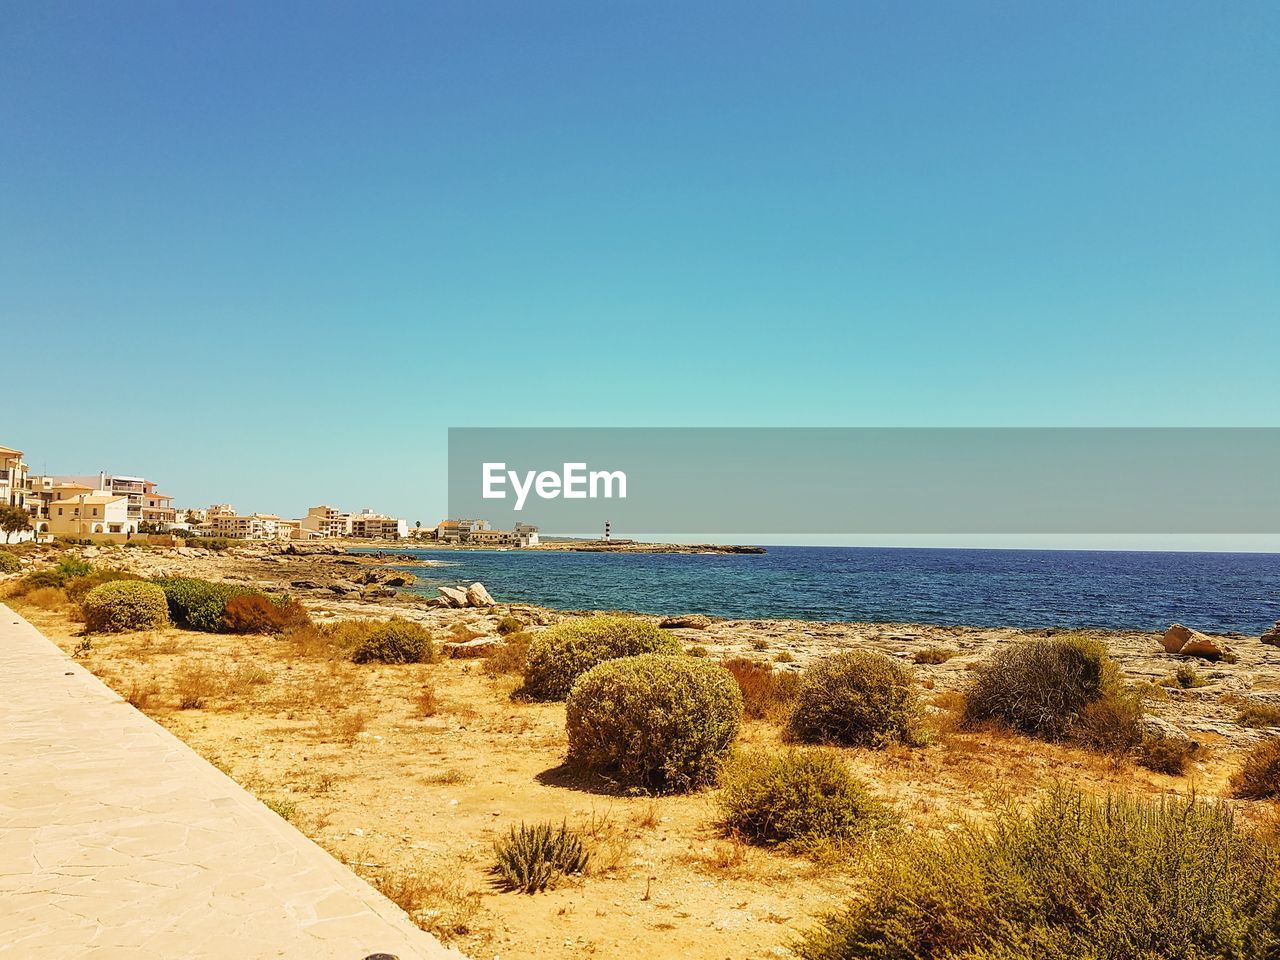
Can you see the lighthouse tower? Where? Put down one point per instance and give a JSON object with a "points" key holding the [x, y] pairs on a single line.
{"points": [[606, 531]]}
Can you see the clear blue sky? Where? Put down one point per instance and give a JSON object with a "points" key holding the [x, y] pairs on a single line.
{"points": [[268, 253]]}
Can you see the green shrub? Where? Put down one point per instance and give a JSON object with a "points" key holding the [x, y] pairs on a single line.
{"points": [[78, 587], [1040, 686], [1259, 777], [508, 625], [859, 698], [664, 722], [199, 604], [530, 859], [207, 543], [561, 654], [1073, 878], [69, 567], [125, 605], [39, 579], [396, 641], [795, 798], [257, 613], [8, 562]]}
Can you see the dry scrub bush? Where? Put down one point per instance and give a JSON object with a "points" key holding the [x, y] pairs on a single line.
{"points": [[395, 641], [257, 613], [1075, 877], [9, 563], [428, 701], [195, 683], [1165, 755], [1258, 714], [125, 605], [1259, 777], [511, 657], [934, 655], [533, 858], [1040, 686], [439, 903], [508, 625], [661, 722], [561, 654], [47, 598], [767, 694], [795, 798], [860, 699], [138, 692]]}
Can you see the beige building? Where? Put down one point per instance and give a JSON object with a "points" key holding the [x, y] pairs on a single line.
{"points": [[255, 526], [90, 515], [157, 507], [327, 521], [480, 533], [14, 483], [136, 490]]}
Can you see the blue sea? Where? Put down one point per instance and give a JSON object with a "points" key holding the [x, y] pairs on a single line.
{"points": [[1218, 592]]}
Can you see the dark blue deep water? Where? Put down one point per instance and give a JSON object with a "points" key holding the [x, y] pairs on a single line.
{"points": [[1026, 588]]}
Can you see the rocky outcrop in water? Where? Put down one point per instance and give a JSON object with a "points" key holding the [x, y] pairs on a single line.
{"points": [[1272, 636]]}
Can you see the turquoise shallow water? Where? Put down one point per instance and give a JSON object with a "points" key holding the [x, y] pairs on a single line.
{"points": [[1026, 588]]}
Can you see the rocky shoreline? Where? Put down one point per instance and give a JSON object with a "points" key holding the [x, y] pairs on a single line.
{"points": [[334, 584]]}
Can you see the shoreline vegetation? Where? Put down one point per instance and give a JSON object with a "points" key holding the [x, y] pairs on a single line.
{"points": [[808, 773]]}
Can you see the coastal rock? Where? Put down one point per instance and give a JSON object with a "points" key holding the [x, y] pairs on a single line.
{"points": [[689, 621], [304, 585], [400, 580], [341, 589], [479, 647], [1191, 643], [478, 596], [453, 596], [1272, 636], [1154, 728]]}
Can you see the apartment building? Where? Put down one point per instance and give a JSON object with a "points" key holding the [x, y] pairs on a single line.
{"points": [[377, 526], [459, 531], [327, 521], [255, 526], [14, 482], [90, 515], [481, 534], [157, 507], [136, 490]]}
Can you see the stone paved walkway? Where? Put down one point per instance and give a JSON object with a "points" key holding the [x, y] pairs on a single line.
{"points": [[119, 841]]}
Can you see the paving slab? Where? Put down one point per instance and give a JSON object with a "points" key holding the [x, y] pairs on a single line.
{"points": [[117, 840]]}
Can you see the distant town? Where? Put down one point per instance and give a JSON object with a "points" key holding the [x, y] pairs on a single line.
{"points": [[107, 507]]}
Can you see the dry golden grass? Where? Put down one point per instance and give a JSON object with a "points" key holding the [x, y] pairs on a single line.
{"points": [[428, 794], [427, 701], [440, 902], [47, 598], [195, 684]]}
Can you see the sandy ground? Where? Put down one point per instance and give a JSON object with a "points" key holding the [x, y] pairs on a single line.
{"points": [[413, 798]]}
